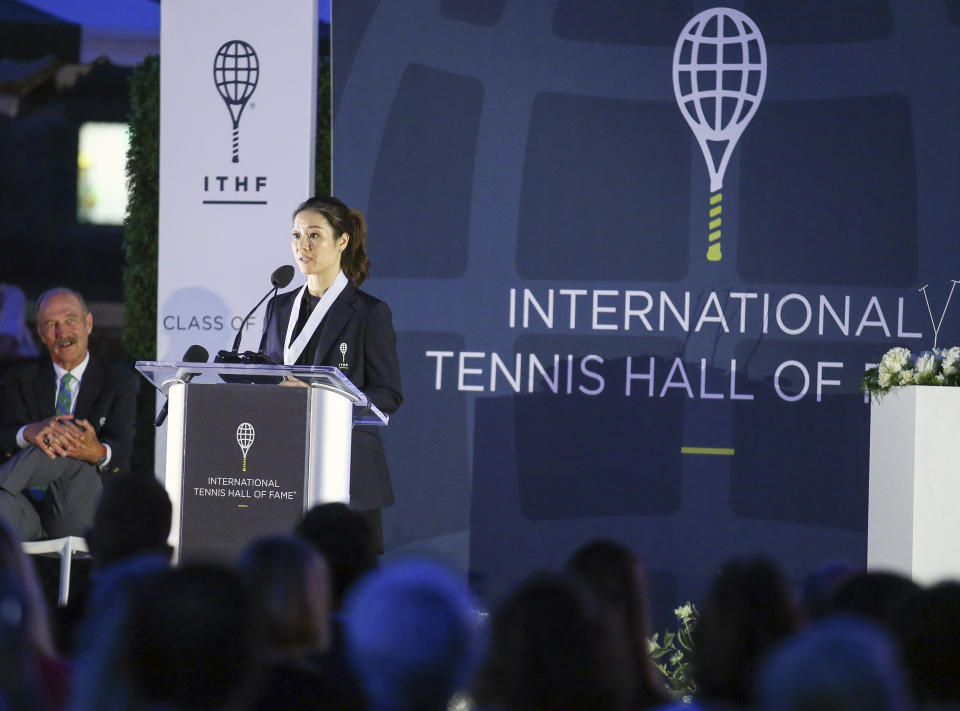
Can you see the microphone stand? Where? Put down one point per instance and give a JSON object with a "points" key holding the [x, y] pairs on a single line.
{"points": [[280, 278]]}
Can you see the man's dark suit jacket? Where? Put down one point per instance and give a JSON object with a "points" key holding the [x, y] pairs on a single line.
{"points": [[107, 399], [365, 324]]}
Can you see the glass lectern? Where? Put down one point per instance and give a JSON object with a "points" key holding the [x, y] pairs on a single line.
{"points": [[251, 447]]}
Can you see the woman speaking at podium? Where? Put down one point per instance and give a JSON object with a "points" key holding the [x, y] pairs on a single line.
{"points": [[329, 321]]}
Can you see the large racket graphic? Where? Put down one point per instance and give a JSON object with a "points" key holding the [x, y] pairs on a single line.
{"points": [[719, 73]]}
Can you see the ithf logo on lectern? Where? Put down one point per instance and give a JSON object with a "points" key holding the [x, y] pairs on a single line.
{"points": [[236, 70], [245, 435], [719, 72]]}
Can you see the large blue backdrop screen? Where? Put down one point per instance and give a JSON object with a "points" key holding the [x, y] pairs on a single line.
{"points": [[540, 217]]}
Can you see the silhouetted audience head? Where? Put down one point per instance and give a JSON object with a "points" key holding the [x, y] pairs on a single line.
{"points": [[549, 651], [31, 677], [20, 684], [345, 540], [18, 570], [16, 340], [189, 640], [927, 625], [839, 664], [820, 587], [290, 595], [411, 634], [748, 611], [616, 579], [872, 594], [132, 518]]}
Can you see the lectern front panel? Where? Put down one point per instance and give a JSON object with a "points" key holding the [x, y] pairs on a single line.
{"points": [[243, 466]]}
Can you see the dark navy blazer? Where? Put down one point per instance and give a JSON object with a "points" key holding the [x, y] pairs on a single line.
{"points": [[107, 398], [365, 325]]}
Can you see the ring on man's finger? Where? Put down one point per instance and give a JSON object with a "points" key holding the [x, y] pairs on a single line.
{"points": [[46, 441]]}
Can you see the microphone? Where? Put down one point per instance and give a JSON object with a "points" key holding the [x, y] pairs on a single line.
{"points": [[280, 278], [194, 354]]}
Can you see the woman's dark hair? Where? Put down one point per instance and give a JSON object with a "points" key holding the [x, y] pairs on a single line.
{"points": [[549, 651], [345, 541], [748, 612], [289, 590], [927, 625], [189, 639], [353, 261], [614, 576], [872, 594]]}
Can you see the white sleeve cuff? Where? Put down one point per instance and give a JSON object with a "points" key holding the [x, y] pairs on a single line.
{"points": [[21, 440], [105, 462]]}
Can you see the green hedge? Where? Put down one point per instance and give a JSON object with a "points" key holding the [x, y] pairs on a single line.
{"points": [[324, 164], [141, 225], [140, 244]]}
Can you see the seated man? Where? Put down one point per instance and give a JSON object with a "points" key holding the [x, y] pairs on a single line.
{"points": [[71, 417]]}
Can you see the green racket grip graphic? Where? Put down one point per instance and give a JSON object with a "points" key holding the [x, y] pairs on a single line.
{"points": [[714, 253]]}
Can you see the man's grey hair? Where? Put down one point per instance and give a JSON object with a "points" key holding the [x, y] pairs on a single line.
{"points": [[60, 290]]}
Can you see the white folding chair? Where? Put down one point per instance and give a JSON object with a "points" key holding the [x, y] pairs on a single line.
{"points": [[65, 547]]}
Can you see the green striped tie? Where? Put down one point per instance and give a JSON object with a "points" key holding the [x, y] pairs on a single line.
{"points": [[64, 394]]}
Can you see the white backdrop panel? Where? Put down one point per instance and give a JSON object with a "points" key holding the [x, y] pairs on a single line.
{"points": [[224, 225]]}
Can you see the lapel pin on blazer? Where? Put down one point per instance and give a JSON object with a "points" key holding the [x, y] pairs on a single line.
{"points": [[343, 356]]}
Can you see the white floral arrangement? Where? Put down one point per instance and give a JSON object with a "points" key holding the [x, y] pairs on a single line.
{"points": [[672, 654], [940, 366]]}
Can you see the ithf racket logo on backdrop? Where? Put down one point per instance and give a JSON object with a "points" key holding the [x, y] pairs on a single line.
{"points": [[719, 73], [236, 70]]}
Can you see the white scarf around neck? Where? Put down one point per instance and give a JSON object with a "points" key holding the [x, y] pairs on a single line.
{"points": [[292, 351]]}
